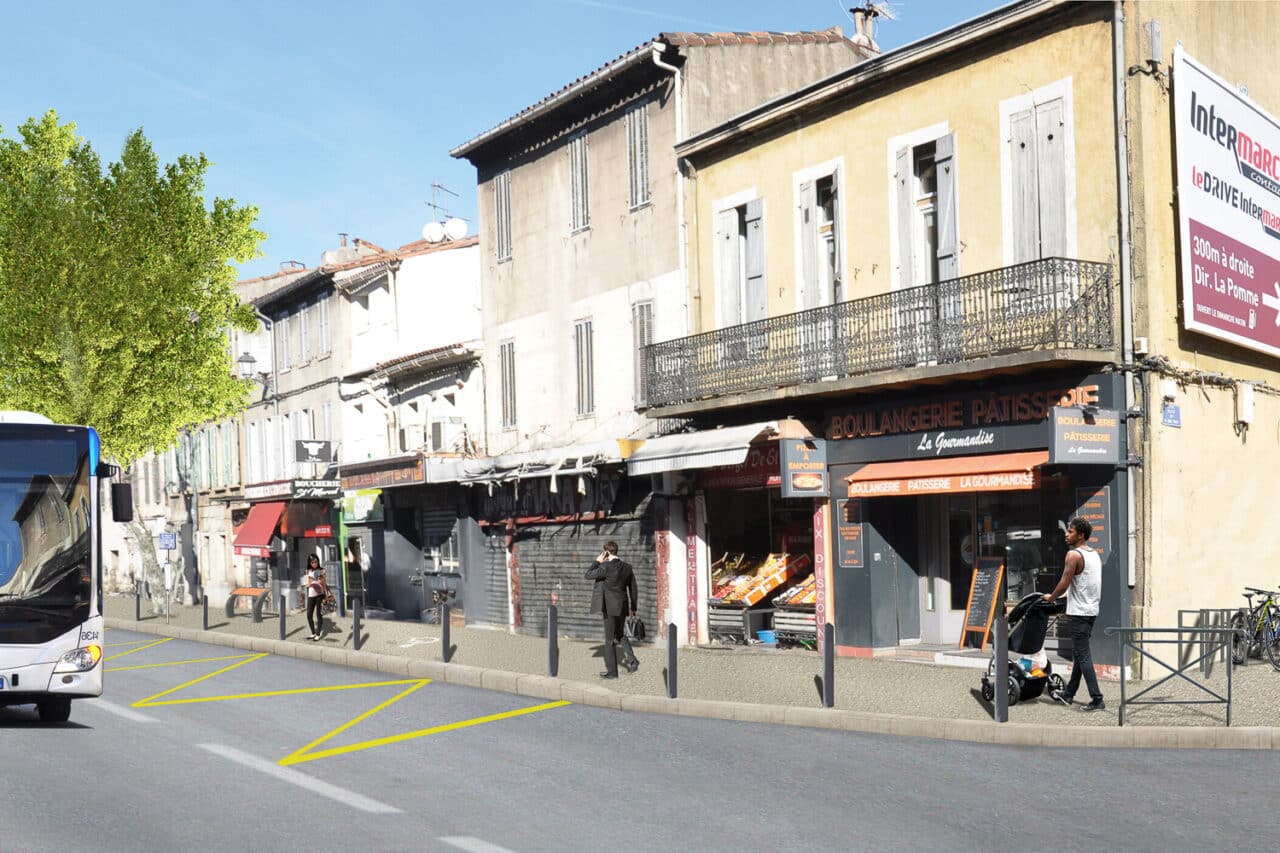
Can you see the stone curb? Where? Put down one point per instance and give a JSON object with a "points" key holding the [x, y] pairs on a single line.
{"points": [[582, 693]]}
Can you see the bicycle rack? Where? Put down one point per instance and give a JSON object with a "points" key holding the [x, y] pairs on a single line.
{"points": [[1136, 638]]}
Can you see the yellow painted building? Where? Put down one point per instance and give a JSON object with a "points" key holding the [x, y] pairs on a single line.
{"points": [[884, 241]]}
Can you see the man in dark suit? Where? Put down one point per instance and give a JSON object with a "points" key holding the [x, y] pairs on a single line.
{"points": [[614, 597]]}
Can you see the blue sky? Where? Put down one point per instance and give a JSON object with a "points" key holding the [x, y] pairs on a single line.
{"points": [[338, 117]]}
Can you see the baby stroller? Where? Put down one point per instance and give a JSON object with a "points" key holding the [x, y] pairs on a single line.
{"points": [[1029, 667]]}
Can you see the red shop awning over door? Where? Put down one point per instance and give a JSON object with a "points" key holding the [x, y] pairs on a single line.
{"points": [[997, 472], [256, 532]]}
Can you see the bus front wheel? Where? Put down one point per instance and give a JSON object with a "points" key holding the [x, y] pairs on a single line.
{"points": [[55, 710]]}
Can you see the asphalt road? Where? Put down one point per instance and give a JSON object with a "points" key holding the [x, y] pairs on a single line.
{"points": [[223, 750]]}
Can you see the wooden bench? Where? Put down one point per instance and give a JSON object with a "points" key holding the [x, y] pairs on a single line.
{"points": [[258, 594]]}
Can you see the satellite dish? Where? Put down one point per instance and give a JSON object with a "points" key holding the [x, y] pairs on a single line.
{"points": [[433, 232], [455, 228]]}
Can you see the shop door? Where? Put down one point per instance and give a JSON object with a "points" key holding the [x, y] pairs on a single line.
{"points": [[948, 545]]}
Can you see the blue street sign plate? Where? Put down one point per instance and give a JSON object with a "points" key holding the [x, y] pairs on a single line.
{"points": [[1171, 415], [168, 541]]}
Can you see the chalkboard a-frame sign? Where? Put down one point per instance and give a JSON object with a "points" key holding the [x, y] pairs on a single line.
{"points": [[984, 596]]}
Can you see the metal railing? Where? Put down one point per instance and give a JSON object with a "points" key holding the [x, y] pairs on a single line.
{"points": [[1046, 304], [1213, 640]]}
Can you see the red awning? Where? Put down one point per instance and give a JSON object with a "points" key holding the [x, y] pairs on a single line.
{"points": [[256, 532], [997, 472]]}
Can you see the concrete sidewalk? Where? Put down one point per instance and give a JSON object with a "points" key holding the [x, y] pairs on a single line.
{"points": [[765, 685]]}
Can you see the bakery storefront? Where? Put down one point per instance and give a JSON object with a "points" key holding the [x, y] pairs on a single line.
{"points": [[925, 488]]}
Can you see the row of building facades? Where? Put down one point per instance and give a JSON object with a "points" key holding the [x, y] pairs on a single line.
{"points": [[894, 314]]}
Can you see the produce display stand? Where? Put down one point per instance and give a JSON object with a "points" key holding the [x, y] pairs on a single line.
{"points": [[795, 619], [736, 610]]}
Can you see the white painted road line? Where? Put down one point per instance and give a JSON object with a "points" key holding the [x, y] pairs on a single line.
{"points": [[293, 777], [118, 710], [473, 845]]}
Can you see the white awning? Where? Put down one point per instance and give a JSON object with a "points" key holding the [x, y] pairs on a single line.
{"points": [[577, 459], [706, 449]]}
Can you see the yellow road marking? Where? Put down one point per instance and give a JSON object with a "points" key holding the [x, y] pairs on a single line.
{"points": [[130, 643], [294, 757], [448, 727], [293, 692], [140, 648], [176, 663], [142, 703]]}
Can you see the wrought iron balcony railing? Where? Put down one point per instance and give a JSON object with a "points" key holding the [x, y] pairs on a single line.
{"points": [[1053, 303]]}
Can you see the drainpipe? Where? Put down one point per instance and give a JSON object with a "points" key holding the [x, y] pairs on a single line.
{"points": [[1119, 76], [683, 232]]}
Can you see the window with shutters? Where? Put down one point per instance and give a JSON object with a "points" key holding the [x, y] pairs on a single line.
{"points": [[502, 214], [641, 337], [304, 332], [322, 310], [740, 275], [1039, 179], [820, 263], [579, 194], [282, 342], [507, 382], [638, 154], [584, 363]]}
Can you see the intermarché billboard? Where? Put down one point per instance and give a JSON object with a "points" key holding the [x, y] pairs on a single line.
{"points": [[1228, 151]]}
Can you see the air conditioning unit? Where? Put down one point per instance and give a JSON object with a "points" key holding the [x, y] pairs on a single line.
{"points": [[445, 434]]}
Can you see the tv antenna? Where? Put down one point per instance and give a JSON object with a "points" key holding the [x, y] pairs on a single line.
{"points": [[443, 225]]}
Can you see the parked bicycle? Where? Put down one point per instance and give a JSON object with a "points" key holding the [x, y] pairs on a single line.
{"points": [[1257, 628]]}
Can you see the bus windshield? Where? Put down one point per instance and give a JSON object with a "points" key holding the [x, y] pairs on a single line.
{"points": [[45, 519]]}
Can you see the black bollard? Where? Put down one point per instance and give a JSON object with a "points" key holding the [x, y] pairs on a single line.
{"points": [[357, 610], [282, 606], [828, 665], [553, 642], [204, 610], [673, 640], [445, 653], [137, 603], [1000, 677]]}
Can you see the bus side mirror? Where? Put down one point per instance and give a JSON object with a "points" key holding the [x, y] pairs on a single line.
{"points": [[121, 502]]}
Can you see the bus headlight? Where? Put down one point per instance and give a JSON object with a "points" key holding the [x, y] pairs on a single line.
{"points": [[80, 660]]}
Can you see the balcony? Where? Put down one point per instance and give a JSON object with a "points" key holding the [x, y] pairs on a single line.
{"points": [[1048, 305]]}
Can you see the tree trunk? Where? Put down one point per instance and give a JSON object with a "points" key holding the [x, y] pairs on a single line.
{"points": [[152, 574]]}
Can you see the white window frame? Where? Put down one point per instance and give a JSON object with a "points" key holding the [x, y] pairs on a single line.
{"points": [[912, 140], [304, 329], [1008, 107], [326, 346], [502, 215], [579, 152], [584, 363], [637, 126], [639, 341], [816, 173], [508, 412], [719, 206]]}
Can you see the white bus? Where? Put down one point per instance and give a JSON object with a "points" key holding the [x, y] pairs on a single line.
{"points": [[51, 562]]}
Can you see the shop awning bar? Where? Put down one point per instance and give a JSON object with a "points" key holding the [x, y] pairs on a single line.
{"points": [[705, 449], [254, 538], [1046, 305], [997, 472]]}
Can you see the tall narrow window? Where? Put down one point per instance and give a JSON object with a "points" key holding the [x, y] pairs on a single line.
{"points": [[323, 310], [579, 196], [282, 341], [304, 334], [925, 182], [638, 154], [926, 218], [740, 283], [1038, 158], [502, 214], [823, 279], [641, 337], [507, 382], [584, 359]]}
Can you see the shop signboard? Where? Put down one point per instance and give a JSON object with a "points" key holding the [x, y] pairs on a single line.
{"points": [[804, 467], [759, 470], [317, 489], [1228, 172], [312, 450], [694, 510], [966, 423], [984, 598], [362, 506], [1095, 507], [820, 570], [266, 491], [1084, 436], [384, 474], [849, 553]]}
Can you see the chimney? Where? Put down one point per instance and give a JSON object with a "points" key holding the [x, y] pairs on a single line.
{"points": [[864, 26], [342, 239]]}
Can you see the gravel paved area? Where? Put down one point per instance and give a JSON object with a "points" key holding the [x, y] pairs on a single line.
{"points": [[765, 676]]}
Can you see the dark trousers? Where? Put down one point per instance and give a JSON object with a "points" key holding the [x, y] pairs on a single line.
{"points": [[613, 633], [315, 615], [1080, 629]]}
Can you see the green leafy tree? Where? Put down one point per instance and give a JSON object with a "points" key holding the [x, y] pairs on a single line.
{"points": [[116, 288]]}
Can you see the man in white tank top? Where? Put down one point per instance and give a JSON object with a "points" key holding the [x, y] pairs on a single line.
{"points": [[1082, 582]]}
